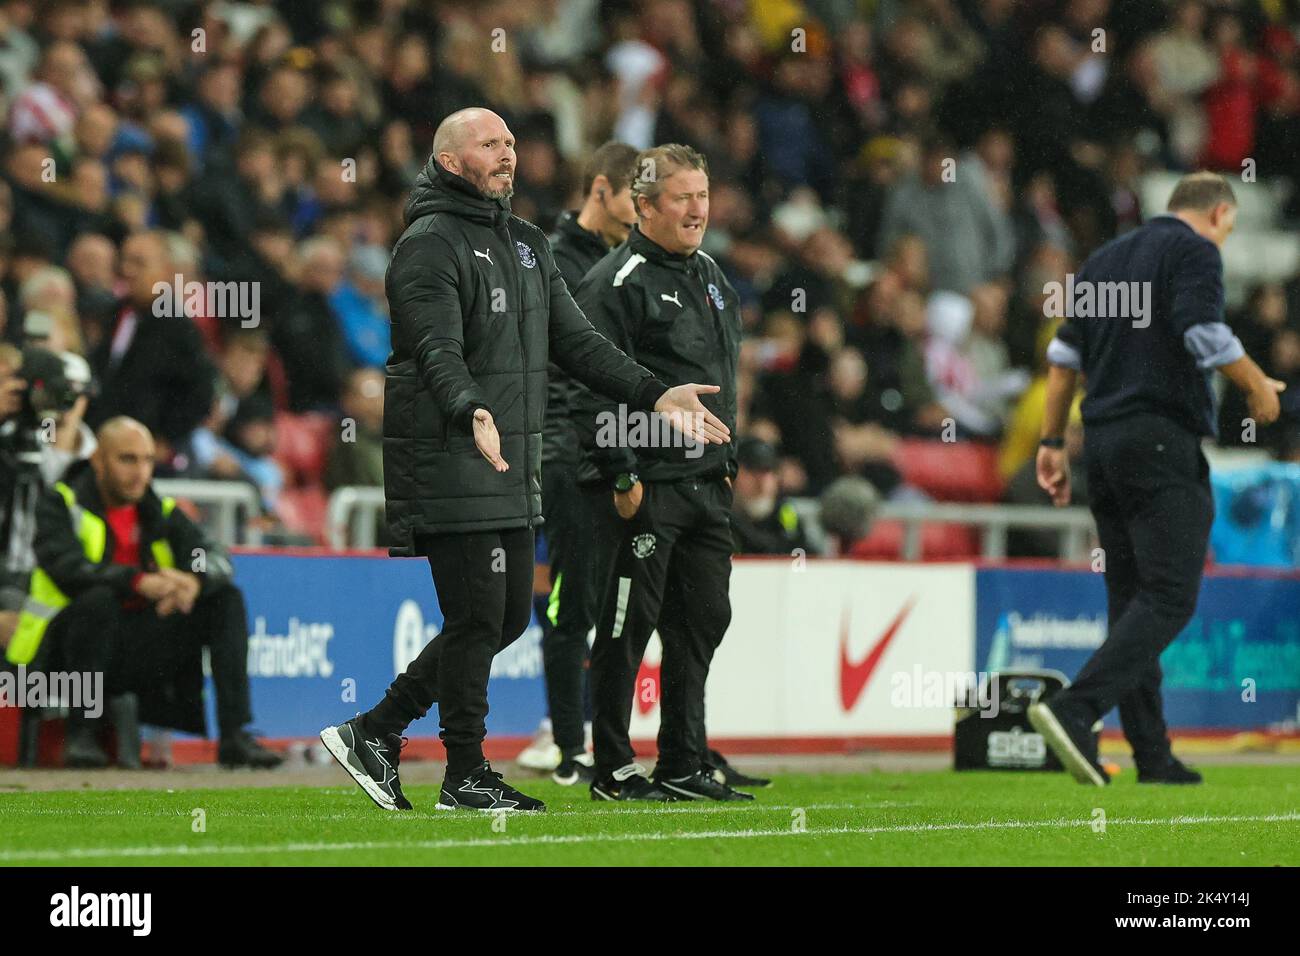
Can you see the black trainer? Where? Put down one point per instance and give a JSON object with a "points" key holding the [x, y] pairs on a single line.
{"points": [[575, 770], [242, 749], [1173, 771], [372, 761], [1071, 739], [628, 784], [483, 789], [732, 777], [701, 785]]}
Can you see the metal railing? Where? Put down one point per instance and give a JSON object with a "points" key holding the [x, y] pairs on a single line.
{"points": [[354, 511], [222, 503], [1074, 526], [354, 503]]}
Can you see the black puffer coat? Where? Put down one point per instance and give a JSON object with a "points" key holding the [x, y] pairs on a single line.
{"points": [[477, 307]]}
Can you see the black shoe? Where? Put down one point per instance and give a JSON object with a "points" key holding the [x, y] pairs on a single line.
{"points": [[701, 785], [1173, 771], [574, 770], [1071, 739], [81, 751], [241, 749], [372, 761], [627, 784], [732, 777], [483, 789]]}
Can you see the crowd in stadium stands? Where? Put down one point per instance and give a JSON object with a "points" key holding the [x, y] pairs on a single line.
{"points": [[892, 183]]}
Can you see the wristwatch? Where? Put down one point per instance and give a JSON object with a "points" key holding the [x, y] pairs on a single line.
{"points": [[1052, 442], [625, 482]]}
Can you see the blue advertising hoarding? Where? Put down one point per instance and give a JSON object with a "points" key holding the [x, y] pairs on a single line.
{"points": [[1235, 666], [328, 634]]}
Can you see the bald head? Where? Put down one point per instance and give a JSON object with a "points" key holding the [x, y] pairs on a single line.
{"points": [[476, 145], [119, 429], [123, 461]]}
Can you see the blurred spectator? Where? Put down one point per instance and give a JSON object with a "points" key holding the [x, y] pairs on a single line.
{"points": [[903, 155], [237, 438], [967, 238], [761, 522], [309, 337], [229, 200], [213, 118], [151, 363], [46, 111], [968, 364], [362, 306], [357, 456]]}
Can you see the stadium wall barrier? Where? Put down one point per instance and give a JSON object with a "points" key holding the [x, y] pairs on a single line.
{"points": [[820, 655]]}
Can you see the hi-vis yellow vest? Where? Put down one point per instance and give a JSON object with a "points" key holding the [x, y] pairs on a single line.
{"points": [[44, 599]]}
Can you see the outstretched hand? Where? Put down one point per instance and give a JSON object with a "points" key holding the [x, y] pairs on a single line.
{"points": [[487, 440], [682, 407], [1053, 469]]}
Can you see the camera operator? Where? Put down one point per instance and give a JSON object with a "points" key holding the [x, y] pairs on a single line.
{"points": [[41, 434]]}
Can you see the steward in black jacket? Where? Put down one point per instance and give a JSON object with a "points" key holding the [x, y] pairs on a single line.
{"points": [[679, 317], [93, 601], [478, 305]]}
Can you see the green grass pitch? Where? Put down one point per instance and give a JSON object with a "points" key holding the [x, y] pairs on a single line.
{"points": [[1242, 815]]}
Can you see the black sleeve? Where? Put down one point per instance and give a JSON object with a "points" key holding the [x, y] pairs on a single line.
{"points": [[615, 314], [1197, 286], [60, 554], [198, 553], [594, 356], [424, 300]]}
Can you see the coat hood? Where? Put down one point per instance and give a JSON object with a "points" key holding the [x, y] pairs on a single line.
{"points": [[439, 190]]}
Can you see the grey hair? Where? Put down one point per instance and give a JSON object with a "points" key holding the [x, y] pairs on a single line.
{"points": [[656, 164]]}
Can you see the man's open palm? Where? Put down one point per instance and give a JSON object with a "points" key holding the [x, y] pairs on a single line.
{"points": [[487, 440], [682, 407]]}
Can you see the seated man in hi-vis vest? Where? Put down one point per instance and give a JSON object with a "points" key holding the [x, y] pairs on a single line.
{"points": [[127, 586]]}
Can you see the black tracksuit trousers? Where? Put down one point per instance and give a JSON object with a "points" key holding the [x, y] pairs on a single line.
{"points": [[582, 530], [484, 582], [1149, 490], [135, 649], [671, 571]]}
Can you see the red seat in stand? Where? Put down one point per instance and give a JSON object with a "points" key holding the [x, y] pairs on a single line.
{"points": [[302, 445], [950, 471]]}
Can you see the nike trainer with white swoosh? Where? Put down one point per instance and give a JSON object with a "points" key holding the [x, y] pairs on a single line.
{"points": [[372, 761], [483, 789]]}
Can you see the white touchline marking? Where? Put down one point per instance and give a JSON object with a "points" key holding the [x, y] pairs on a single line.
{"points": [[683, 808], [84, 853]]}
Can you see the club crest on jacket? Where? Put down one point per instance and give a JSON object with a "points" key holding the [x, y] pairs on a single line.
{"points": [[526, 255]]}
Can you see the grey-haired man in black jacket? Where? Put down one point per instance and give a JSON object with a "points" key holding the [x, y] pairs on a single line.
{"points": [[477, 308], [662, 300]]}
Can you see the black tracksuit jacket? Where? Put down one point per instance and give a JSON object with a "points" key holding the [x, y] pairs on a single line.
{"points": [[477, 306], [679, 317]]}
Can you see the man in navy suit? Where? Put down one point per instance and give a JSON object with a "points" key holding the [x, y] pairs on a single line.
{"points": [[1144, 327]]}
